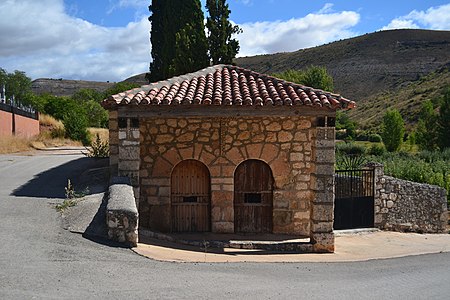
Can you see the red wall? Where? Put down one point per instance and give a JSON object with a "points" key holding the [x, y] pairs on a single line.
{"points": [[26, 127], [5, 123]]}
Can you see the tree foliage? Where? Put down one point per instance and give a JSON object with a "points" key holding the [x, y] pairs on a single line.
{"points": [[393, 129], [169, 19], [75, 124], [443, 123], [17, 85], [313, 76], [190, 54], [222, 48], [119, 87], [426, 132]]}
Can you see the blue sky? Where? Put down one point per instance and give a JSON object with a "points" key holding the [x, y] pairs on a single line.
{"points": [[109, 39]]}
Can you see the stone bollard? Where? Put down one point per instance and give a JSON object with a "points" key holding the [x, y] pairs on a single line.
{"points": [[121, 212]]}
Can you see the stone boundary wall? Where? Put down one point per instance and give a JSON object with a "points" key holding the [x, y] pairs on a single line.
{"points": [[402, 205], [121, 212]]}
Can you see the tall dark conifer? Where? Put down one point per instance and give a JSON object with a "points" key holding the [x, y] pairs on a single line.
{"points": [[177, 36], [222, 48]]}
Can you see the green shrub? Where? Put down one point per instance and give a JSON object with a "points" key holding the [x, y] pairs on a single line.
{"points": [[75, 124], [350, 149], [362, 136], [341, 134], [377, 150], [98, 148], [375, 138], [58, 132], [432, 167]]}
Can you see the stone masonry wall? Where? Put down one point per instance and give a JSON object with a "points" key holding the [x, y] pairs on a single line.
{"points": [[286, 144], [402, 205]]}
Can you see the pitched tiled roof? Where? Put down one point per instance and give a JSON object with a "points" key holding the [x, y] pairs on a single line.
{"points": [[228, 85]]}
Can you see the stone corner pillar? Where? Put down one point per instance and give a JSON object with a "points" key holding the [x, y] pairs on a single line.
{"points": [[322, 208], [129, 152]]}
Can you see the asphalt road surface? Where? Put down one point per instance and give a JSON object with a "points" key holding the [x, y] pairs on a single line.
{"points": [[40, 260]]}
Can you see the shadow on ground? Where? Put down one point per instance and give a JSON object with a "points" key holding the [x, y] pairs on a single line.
{"points": [[230, 244], [88, 175]]}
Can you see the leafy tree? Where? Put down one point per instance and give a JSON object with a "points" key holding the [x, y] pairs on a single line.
{"points": [[3, 77], [222, 48], [393, 129], [443, 123], [313, 76], [96, 115], [75, 124], [87, 95], [169, 18], [58, 107], [119, 88], [343, 122], [318, 77], [426, 135], [17, 85]]}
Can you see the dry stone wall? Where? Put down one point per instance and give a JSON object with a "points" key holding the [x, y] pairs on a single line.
{"points": [[402, 205]]}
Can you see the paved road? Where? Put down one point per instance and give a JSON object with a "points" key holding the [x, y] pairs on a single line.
{"points": [[40, 260]]}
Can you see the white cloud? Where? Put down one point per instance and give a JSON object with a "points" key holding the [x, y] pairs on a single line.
{"points": [[141, 6], [50, 43], [437, 18], [309, 31], [327, 8]]}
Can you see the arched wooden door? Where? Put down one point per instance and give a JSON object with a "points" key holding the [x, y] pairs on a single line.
{"points": [[190, 197], [253, 197]]}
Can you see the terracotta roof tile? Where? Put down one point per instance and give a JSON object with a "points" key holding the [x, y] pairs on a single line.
{"points": [[228, 85]]}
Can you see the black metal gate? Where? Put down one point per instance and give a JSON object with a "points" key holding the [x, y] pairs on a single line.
{"points": [[354, 199]]}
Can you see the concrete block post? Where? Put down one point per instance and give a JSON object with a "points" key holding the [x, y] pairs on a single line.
{"points": [[322, 208]]}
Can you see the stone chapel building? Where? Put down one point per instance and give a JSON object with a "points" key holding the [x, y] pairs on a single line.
{"points": [[229, 150]]}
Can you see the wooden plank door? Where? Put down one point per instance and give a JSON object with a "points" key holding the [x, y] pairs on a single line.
{"points": [[190, 197], [253, 197]]}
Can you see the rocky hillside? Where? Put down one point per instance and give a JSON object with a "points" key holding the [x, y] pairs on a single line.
{"points": [[367, 64], [63, 87]]}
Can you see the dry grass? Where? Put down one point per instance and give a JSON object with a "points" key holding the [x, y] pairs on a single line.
{"points": [[102, 132], [45, 140], [13, 144], [46, 120]]}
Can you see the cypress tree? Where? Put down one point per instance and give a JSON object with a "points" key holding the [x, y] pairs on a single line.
{"points": [[177, 34], [222, 48]]}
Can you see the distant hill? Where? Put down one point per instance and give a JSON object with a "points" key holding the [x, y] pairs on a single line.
{"points": [[367, 64], [64, 87], [407, 99], [377, 70], [138, 79]]}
